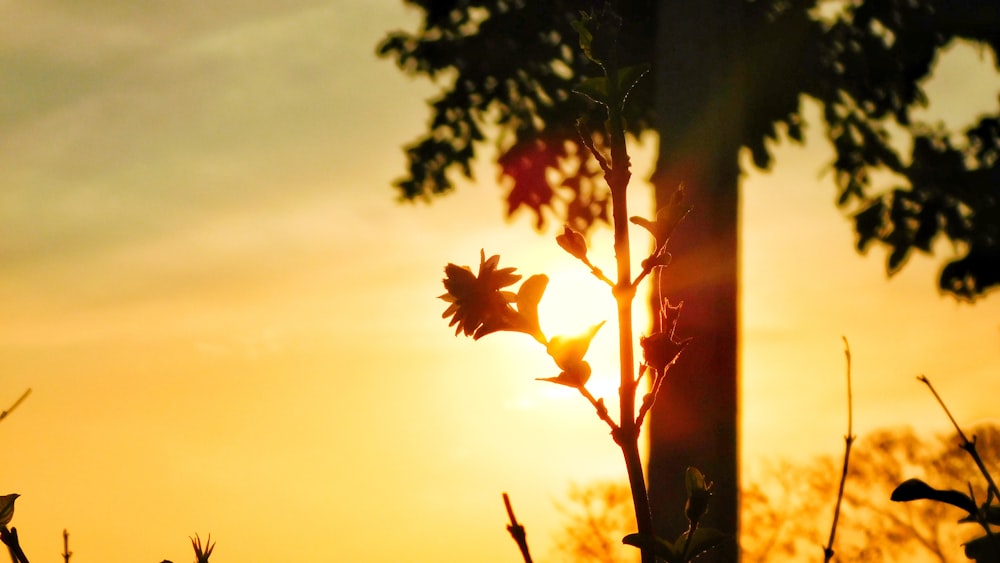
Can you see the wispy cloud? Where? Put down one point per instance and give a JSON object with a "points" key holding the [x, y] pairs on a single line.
{"points": [[161, 157]]}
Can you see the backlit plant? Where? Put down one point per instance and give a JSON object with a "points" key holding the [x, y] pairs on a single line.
{"points": [[481, 303]]}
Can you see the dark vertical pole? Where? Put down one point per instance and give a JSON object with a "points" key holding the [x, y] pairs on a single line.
{"points": [[699, 108]]}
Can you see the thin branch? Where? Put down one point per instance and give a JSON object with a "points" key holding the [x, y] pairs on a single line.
{"points": [[11, 408], [657, 259], [598, 273], [967, 445], [848, 441], [923, 379], [517, 531], [650, 399], [66, 552], [588, 141], [618, 177], [602, 410]]}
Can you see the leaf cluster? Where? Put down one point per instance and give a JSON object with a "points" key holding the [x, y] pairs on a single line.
{"points": [[507, 70], [880, 54], [511, 66]]}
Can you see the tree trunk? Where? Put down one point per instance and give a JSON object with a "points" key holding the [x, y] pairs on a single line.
{"points": [[700, 109]]}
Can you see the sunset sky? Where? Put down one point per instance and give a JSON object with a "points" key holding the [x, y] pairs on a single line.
{"points": [[229, 323]]}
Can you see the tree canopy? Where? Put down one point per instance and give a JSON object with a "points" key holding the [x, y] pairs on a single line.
{"points": [[725, 75], [510, 67]]}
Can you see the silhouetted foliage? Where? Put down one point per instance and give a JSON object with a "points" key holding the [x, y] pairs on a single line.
{"points": [[780, 508], [598, 515], [724, 75], [785, 510], [509, 67]]}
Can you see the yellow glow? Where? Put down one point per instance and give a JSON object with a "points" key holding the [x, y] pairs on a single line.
{"points": [[574, 301], [230, 328]]}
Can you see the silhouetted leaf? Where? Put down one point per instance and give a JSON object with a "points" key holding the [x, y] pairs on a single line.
{"points": [[661, 547], [575, 375], [984, 549], [698, 495], [667, 218], [897, 258], [915, 489], [993, 514], [528, 297], [7, 508], [573, 242], [568, 349], [868, 223], [586, 36], [568, 353]]}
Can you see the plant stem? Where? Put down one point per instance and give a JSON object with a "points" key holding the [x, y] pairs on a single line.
{"points": [[848, 441], [627, 437], [602, 411]]}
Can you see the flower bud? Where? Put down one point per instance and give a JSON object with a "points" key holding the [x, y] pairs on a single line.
{"points": [[698, 494], [573, 242]]}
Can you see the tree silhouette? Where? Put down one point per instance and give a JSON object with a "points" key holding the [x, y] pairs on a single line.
{"points": [[597, 516], [782, 505], [725, 74], [787, 506]]}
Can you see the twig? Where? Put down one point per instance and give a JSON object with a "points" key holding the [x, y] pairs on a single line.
{"points": [[848, 441], [11, 408], [66, 552], [602, 410], [517, 531], [967, 445], [653, 262], [583, 130], [598, 273]]}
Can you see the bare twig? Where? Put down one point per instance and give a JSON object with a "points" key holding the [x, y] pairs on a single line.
{"points": [[11, 408], [848, 441], [517, 531], [66, 552]]}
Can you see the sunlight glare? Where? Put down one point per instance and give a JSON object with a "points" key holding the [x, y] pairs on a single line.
{"points": [[574, 301]]}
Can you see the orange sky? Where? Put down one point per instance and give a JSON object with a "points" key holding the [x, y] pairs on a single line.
{"points": [[229, 325]]}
